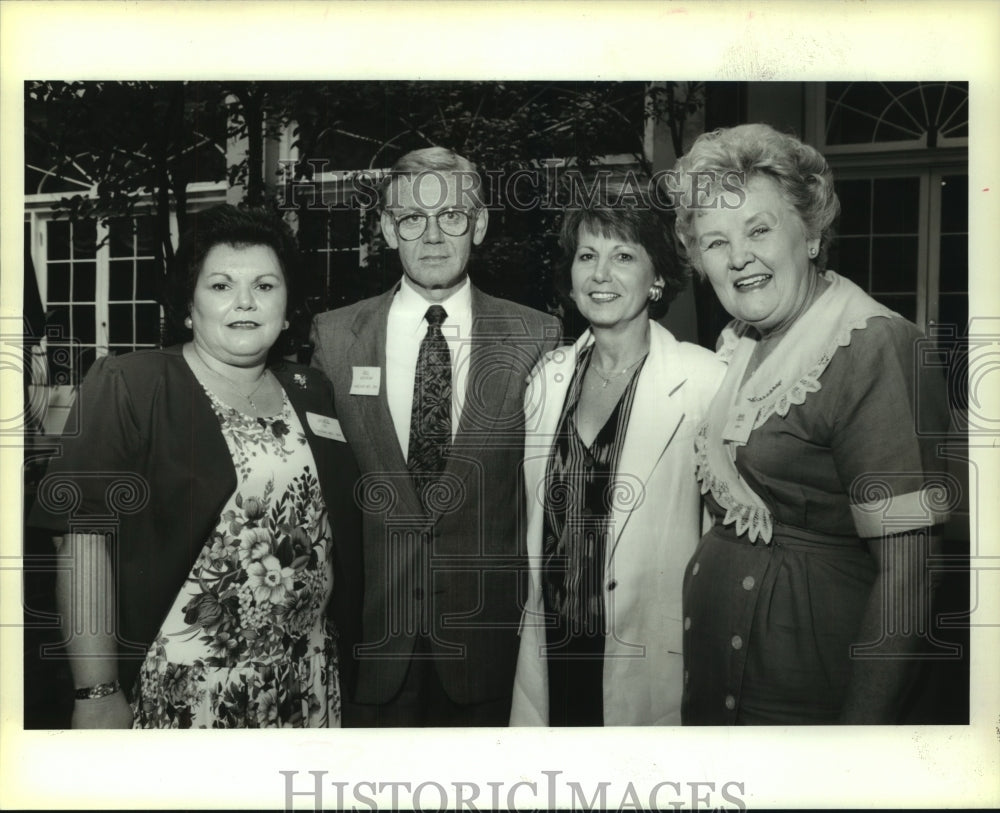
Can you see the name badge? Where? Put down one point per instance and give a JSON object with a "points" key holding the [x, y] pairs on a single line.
{"points": [[366, 380], [740, 424], [325, 427]]}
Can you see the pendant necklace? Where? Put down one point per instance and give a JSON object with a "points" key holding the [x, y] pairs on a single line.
{"points": [[247, 396], [608, 379]]}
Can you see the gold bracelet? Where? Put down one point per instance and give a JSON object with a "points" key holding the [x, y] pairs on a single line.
{"points": [[98, 691]]}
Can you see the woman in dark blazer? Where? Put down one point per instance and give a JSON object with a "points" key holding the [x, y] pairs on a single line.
{"points": [[205, 496]]}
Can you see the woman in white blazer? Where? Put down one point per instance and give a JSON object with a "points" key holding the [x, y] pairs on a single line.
{"points": [[613, 506]]}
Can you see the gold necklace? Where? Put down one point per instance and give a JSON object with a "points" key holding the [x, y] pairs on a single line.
{"points": [[247, 396], [608, 379]]}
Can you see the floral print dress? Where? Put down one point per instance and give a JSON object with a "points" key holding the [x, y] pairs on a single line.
{"points": [[246, 642]]}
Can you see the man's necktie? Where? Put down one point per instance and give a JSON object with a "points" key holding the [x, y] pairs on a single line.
{"points": [[430, 414]]}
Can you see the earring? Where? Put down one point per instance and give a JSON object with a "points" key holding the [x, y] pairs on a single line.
{"points": [[655, 293], [813, 252], [188, 323], [286, 325]]}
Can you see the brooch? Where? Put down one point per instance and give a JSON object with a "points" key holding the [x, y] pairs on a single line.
{"points": [[299, 379]]}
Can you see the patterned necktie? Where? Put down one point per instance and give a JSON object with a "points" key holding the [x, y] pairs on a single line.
{"points": [[430, 414]]}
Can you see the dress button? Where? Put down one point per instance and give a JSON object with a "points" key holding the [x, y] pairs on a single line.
{"points": [[696, 568], [418, 593], [612, 584], [749, 582], [687, 623], [737, 642], [730, 702]]}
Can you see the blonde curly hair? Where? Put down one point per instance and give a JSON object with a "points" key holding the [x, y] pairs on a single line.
{"points": [[748, 150]]}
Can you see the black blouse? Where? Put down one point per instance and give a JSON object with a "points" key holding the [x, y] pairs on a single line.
{"points": [[579, 500]]}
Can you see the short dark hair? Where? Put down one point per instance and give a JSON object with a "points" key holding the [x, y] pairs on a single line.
{"points": [[628, 212], [227, 225]]}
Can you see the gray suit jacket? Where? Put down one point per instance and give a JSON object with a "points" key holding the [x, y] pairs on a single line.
{"points": [[456, 573]]}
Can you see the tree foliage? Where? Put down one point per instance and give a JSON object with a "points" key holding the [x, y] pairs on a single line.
{"points": [[131, 145]]}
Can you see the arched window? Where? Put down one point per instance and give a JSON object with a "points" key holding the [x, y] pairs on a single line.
{"points": [[880, 115], [899, 153]]}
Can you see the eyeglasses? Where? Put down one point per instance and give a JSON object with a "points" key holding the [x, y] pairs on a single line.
{"points": [[453, 222]]}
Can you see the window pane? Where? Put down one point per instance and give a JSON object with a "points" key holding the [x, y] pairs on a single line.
{"points": [[956, 123], [120, 323], [954, 263], [83, 324], [58, 239], [344, 227], [873, 112], [84, 239], [897, 206], [57, 324], [147, 275], [901, 130], [894, 264], [955, 203], [850, 259], [145, 235], [344, 262], [855, 207], [88, 355], [147, 324], [907, 116], [84, 281], [905, 306], [119, 280], [953, 309], [120, 240], [933, 95], [58, 282]]}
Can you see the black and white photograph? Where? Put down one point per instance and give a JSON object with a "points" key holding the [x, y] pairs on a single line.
{"points": [[581, 406]]}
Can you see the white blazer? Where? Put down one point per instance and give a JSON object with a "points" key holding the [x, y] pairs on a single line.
{"points": [[654, 528]]}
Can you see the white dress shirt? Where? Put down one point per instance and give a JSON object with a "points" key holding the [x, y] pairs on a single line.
{"points": [[405, 331]]}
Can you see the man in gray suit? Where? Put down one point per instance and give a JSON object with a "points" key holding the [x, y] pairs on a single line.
{"points": [[429, 381]]}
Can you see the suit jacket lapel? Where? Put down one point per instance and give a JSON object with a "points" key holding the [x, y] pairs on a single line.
{"points": [[550, 392], [657, 413], [485, 389], [486, 385], [368, 350]]}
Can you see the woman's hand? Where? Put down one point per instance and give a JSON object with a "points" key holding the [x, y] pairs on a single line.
{"points": [[85, 596], [112, 711]]}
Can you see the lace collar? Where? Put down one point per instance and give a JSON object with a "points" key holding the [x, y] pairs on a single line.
{"points": [[785, 377]]}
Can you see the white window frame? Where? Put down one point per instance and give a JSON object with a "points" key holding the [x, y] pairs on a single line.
{"points": [[815, 126], [38, 213]]}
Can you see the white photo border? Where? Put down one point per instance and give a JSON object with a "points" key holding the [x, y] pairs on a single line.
{"points": [[952, 766]]}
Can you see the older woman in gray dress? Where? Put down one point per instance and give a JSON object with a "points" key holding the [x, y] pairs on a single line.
{"points": [[825, 497]]}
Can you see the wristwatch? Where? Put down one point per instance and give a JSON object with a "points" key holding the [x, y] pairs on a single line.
{"points": [[98, 691]]}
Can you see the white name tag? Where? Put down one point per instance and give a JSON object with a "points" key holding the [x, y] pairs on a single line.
{"points": [[325, 427], [741, 421], [366, 380]]}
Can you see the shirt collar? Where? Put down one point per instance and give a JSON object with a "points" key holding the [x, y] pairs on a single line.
{"points": [[411, 306]]}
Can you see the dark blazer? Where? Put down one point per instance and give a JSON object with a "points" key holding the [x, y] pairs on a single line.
{"points": [[143, 455], [455, 574]]}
